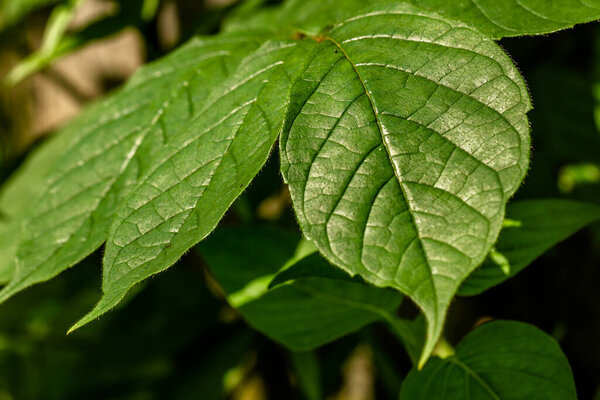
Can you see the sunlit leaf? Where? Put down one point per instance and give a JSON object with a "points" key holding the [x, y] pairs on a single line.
{"points": [[198, 174], [408, 135], [110, 148]]}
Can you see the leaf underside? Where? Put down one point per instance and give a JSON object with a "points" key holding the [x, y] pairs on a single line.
{"points": [[409, 133]]}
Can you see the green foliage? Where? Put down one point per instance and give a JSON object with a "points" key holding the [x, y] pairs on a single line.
{"points": [[303, 313], [403, 133], [407, 194], [103, 158], [500, 360], [498, 19], [534, 227]]}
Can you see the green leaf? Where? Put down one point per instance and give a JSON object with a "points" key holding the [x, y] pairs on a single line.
{"points": [[306, 368], [499, 19], [110, 149], [26, 183], [500, 360], [197, 175], [408, 134], [496, 19], [539, 225], [302, 314], [308, 16]]}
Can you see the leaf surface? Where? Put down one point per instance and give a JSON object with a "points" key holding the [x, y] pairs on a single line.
{"points": [[408, 134], [196, 176], [536, 226], [302, 314], [499, 19], [500, 360], [110, 149], [26, 183]]}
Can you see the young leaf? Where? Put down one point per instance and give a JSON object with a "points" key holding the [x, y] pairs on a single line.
{"points": [[500, 360], [539, 225], [110, 149], [198, 174], [499, 19], [408, 134], [303, 314]]}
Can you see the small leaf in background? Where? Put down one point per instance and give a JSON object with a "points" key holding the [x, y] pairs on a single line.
{"points": [[303, 314], [542, 224], [403, 150], [500, 360]]}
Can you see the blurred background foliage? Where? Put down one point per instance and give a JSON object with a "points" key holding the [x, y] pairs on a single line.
{"points": [[176, 337]]}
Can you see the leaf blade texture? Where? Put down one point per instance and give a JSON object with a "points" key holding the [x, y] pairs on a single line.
{"points": [[403, 150], [496, 19], [198, 175], [499, 360], [500, 19], [109, 150]]}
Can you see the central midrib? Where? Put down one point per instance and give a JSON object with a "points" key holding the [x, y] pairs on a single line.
{"points": [[400, 182]]}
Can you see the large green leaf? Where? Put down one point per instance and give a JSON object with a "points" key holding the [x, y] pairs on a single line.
{"points": [[111, 148], [302, 314], [516, 17], [535, 226], [408, 134], [198, 174], [501, 360]]}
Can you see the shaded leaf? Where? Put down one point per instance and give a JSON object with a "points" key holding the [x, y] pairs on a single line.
{"points": [[408, 134], [538, 225], [306, 368], [500, 360], [302, 314]]}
